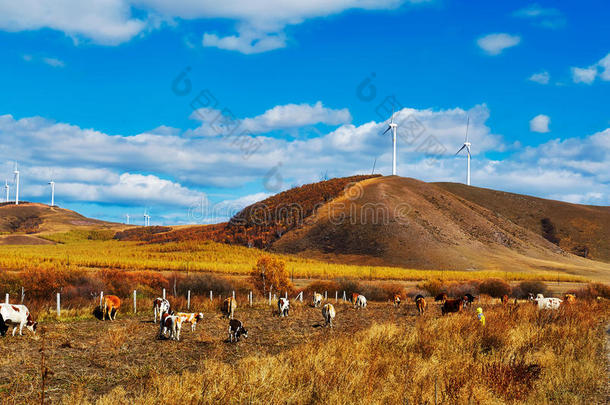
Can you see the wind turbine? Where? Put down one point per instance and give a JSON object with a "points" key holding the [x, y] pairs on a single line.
{"points": [[127, 217], [6, 188], [467, 146], [146, 218], [16, 180], [52, 183], [392, 126]]}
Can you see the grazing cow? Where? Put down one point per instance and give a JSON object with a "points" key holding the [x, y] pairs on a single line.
{"points": [[328, 312], [112, 303], [354, 297], [442, 297], [547, 303], [468, 299], [228, 307], [570, 298], [191, 318], [397, 300], [236, 330], [317, 299], [504, 299], [360, 301], [160, 306], [171, 323], [18, 316], [283, 306], [452, 306], [420, 303]]}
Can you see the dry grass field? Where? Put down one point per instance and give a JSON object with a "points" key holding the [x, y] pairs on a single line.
{"points": [[377, 355]]}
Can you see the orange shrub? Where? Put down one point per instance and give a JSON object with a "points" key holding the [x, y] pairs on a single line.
{"points": [[269, 274]]}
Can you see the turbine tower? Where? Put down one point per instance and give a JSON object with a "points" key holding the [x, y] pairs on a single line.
{"points": [[52, 183], [6, 189], [146, 219], [16, 180], [127, 217], [467, 146], [392, 126]]}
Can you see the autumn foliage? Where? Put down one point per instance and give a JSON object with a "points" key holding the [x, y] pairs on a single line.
{"points": [[270, 275]]}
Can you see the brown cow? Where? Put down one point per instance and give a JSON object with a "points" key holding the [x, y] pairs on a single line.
{"points": [[441, 297], [570, 298], [112, 303], [228, 307], [452, 306], [354, 297], [397, 300], [420, 302], [504, 299]]}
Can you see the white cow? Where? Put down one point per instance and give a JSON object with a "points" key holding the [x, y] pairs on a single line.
{"points": [[328, 312], [160, 306], [17, 315], [317, 299], [547, 303], [283, 306], [360, 301]]}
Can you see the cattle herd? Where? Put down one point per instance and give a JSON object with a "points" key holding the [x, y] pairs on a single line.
{"points": [[170, 322]]}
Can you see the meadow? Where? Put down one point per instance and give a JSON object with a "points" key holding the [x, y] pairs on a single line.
{"points": [[94, 250]]}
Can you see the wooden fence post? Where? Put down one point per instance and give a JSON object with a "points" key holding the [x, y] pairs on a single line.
{"points": [[7, 298], [22, 295], [211, 295], [101, 299], [188, 300], [286, 294], [336, 296], [269, 297], [233, 294], [250, 298], [135, 309], [325, 295], [301, 296], [164, 293], [344, 297], [58, 305]]}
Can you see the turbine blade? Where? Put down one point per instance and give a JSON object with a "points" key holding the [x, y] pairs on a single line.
{"points": [[467, 125], [384, 132], [463, 146]]}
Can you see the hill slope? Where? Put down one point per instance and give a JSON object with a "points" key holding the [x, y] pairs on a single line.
{"points": [[19, 224], [408, 223]]}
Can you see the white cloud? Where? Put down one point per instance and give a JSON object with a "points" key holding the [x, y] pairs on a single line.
{"points": [[54, 62], [494, 44], [541, 78], [259, 25], [588, 75], [540, 123], [546, 17]]}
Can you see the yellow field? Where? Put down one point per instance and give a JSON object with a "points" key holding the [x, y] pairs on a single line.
{"points": [[94, 250]]}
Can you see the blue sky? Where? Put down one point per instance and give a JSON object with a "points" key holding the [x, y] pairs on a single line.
{"points": [[90, 100]]}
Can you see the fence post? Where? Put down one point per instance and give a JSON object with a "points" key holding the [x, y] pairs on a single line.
{"points": [[22, 295], [286, 294], [336, 296], [233, 294], [325, 295], [7, 298], [435, 392], [211, 295], [101, 299], [274, 299], [164, 293], [269, 297], [188, 300], [58, 305], [135, 309], [344, 297], [250, 298], [301, 296]]}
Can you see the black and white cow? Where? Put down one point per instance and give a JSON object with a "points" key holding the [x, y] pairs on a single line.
{"points": [[283, 306], [236, 330]]}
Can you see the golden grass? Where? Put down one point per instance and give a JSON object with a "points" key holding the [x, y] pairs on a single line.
{"points": [[522, 356], [72, 252]]}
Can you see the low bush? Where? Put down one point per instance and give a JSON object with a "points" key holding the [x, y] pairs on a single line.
{"points": [[494, 287]]}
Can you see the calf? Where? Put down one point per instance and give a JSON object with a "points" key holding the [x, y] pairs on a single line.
{"points": [[160, 306], [468, 299], [283, 306], [112, 303], [328, 312], [452, 306], [17, 315], [191, 318], [317, 300], [396, 300], [360, 301], [171, 323], [228, 307], [547, 303], [420, 303], [236, 330], [569, 298], [442, 297]]}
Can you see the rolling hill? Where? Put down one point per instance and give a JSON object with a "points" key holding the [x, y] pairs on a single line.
{"points": [[22, 224]]}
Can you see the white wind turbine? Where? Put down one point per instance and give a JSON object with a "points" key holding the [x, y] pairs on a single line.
{"points": [[16, 180], [467, 146], [146, 218], [6, 189], [127, 217], [52, 184], [392, 126]]}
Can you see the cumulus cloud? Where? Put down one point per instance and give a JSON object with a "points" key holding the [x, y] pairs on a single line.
{"points": [[587, 75], [494, 44], [259, 25], [540, 123], [541, 78]]}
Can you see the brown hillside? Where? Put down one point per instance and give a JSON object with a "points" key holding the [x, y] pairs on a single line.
{"points": [[35, 218], [583, 230], [408, 223]]}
